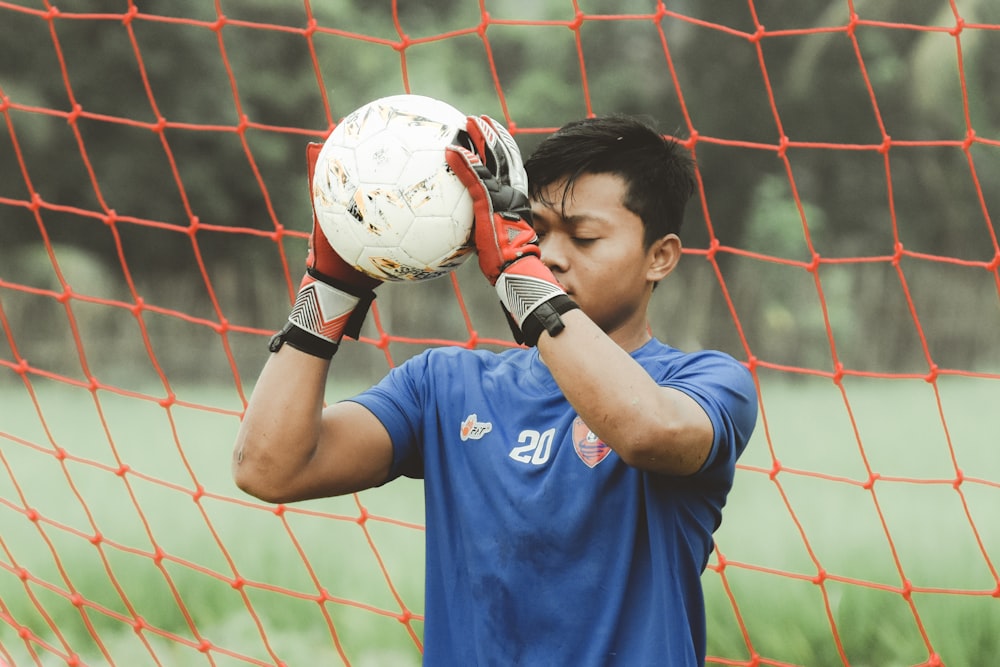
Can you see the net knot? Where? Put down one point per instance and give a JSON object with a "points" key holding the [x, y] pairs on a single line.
{"points": [[783, 144], [970, 138], [872, 478], [713, 248], [692, 140], [132, 12], [852, 24]]}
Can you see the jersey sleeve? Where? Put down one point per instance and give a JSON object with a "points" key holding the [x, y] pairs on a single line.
{"points": [[725, 390], [399, 402]]}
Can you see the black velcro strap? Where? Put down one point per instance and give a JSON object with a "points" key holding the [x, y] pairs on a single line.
{"points": [[302, 340], [546, 317]]}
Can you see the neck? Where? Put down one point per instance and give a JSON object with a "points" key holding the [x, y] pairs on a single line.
{"points": [[631, 338]]}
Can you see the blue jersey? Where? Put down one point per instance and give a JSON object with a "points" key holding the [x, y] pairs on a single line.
{"points": [[543, 547]]}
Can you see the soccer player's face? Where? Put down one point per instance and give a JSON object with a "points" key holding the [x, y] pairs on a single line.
{"points": [[594, 247]]}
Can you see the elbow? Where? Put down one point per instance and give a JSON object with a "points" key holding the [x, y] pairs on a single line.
{"points": [[260, 488], [668, 451], [253, 484], [255, 478]]}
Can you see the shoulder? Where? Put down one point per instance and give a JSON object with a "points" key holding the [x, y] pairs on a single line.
{"points": [[451, 356], [721, 384], [447, 366], [665, 362]]}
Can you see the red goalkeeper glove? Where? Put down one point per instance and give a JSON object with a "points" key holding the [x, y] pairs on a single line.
{"points": [[333, 297], [506, 244]]}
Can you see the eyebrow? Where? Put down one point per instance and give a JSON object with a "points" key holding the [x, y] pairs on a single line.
{"points": [[578, 219], [574, 220]]}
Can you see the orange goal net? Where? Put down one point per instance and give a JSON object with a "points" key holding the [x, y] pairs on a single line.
{"points": [[153, 220]]}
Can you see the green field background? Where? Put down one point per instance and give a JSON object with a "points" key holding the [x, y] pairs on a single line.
{"points": [[783, 525]]}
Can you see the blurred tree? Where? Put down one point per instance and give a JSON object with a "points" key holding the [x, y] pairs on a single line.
{"points": [[240, 102]]}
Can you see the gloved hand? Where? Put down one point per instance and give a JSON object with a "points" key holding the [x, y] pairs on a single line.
{"points": [[506, 244], [333, 297]]}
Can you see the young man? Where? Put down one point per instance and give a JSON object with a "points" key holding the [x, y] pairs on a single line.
{"points": [[572, 487]]}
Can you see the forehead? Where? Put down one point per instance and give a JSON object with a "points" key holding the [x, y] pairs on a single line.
{"points": [[599, 196]]}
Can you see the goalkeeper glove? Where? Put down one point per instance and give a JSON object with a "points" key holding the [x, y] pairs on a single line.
{"points": [[506, 244], [333, 297]]}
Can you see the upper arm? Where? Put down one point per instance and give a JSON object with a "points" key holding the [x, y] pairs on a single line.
{"points": [[346, 450], [679, 439], [714, 408], [354, 452]]}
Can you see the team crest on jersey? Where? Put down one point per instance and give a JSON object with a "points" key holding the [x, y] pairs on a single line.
{"points": [[588, 446], [473, 429]]}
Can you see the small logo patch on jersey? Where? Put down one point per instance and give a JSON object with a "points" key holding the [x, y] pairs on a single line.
{"points": [[588, 446], [473, 429]]}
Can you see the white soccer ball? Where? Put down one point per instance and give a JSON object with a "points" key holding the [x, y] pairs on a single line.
{"points": [[384, 195]]}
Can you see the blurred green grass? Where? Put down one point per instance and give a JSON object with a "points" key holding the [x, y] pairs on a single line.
{"points": [[783, 526]]}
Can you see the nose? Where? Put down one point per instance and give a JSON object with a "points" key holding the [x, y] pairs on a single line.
{"points": [[553, 252]]}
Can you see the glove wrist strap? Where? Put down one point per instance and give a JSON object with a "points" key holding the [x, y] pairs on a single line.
{"points": [[533, 305], [546, 317], [321, 316], [304, 341], [521, 293]]}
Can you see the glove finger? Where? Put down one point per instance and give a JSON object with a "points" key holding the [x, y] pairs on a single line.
{"points": [[510, 165], [468, 167], [322, 258]]}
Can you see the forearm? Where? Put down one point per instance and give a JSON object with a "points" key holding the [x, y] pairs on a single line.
{"points": [[280, 430], [649, 426]]}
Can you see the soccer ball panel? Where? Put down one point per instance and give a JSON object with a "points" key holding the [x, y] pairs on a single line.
{"points": [[431, 239], [384, 195], [431, 188], [381, 158]]}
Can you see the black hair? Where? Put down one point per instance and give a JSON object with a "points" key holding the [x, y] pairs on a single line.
{"points": [[657, 171]]}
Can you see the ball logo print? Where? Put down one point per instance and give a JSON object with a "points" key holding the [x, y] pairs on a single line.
{"points": [[384, 195]]}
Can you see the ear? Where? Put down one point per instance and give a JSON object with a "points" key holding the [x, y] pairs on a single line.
{"points": [[663, 257]]}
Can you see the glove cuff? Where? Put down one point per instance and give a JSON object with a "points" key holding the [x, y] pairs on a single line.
{"points": [[321, 316], [546, 317], [304, 341], [533, 304]]}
